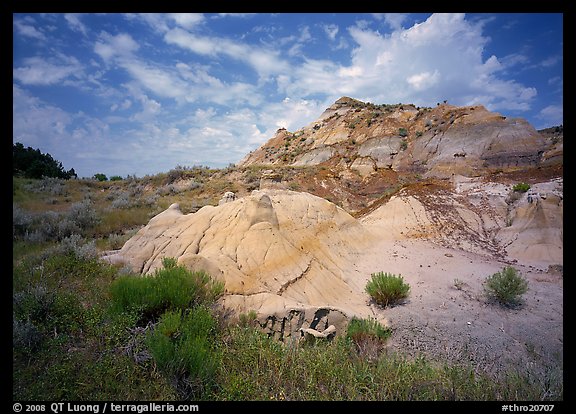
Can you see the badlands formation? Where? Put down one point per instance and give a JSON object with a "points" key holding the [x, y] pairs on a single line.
{"points": [[302, 262]]}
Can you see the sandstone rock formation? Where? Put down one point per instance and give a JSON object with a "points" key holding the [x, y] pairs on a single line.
{"points": [[435, 142], [283, 254], [228, 197]]}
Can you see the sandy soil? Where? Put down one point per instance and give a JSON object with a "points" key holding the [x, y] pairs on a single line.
{"points": [[448, 316]]}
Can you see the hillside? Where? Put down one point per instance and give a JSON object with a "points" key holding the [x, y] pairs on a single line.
{"points": [[359, 151], [434, 142]]}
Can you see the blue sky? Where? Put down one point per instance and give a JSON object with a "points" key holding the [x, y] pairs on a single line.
{"points": [[140, 94]]}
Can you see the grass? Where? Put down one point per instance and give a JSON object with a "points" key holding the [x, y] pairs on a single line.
{"points": [[84, 330], [170, 288], [87, 350], [184, 346]]}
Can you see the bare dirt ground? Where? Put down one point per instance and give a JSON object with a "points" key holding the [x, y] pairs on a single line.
{"points": [[448, 317]]}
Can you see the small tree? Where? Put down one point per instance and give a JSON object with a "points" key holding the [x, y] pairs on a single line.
{"points": [[100, 177], [506, 286]]}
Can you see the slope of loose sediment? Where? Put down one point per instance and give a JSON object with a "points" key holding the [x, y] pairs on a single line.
{"points": [[534, 233], [479, 216], [277, 252]]}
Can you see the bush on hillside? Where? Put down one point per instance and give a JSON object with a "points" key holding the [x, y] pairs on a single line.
{"points": [[368, 336], [521, 187], [506, 287], [387, 289]]}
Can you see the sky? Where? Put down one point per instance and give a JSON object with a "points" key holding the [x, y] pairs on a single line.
{"points": [[140, 94]]}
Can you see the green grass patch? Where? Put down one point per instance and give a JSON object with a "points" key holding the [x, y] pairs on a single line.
{"points": [[184, 346], [358, 328], [170, 288]]}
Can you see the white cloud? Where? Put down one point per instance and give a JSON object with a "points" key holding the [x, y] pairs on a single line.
{"points": [[39, 71], [120, 45], [161, 82], [331, 31], [264, 61], [150, 108], [551, 115], [75, 23], [63, 135], [187, 20], [423, 80], [513, 60], [394, 20], [241, 15], [158, 22], [550, 61], [28, 30], [440, 58], [34, 120]]}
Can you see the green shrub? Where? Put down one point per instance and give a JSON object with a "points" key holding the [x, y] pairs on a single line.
{"points": [[368, 336], [387, 289], [521, 187], [169, 262], [358, 328], [171, 288], [183, 345], [402, 132], [248, 319], [506, 286]]}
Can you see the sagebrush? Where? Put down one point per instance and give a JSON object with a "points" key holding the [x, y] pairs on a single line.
{"points": [[506, 286], [387, 289]]}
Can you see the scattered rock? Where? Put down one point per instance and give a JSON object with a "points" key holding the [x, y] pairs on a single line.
{"points": [[228, 197]]}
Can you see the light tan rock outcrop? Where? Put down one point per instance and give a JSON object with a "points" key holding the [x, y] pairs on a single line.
{"points": [[281, 253]]}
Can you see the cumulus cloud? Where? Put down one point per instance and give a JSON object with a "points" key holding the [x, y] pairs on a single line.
{"points": [[440, 58]]}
